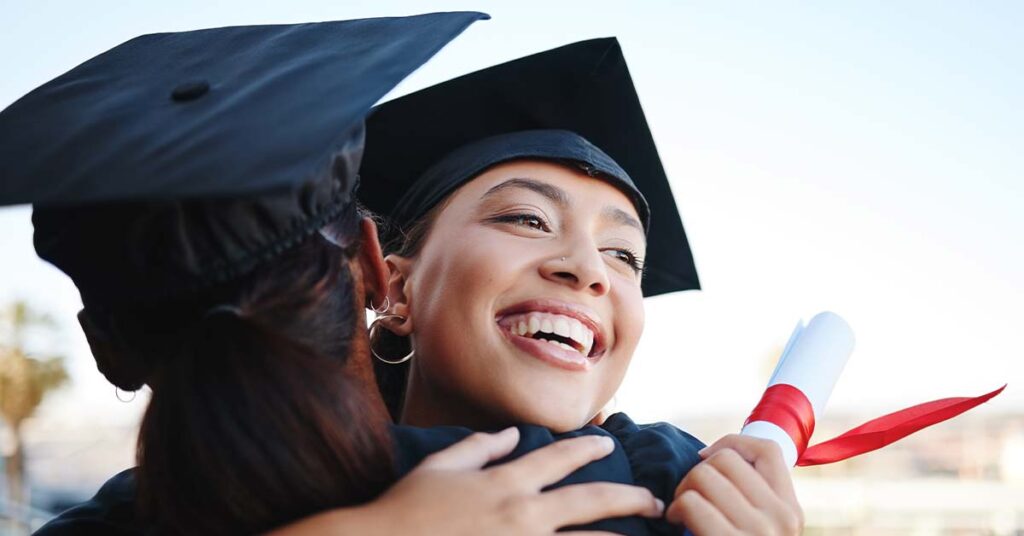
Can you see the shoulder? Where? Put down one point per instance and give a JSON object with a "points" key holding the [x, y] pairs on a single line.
{"points": [[624, 429], [110, 511], [659, 454], [413, 444]]}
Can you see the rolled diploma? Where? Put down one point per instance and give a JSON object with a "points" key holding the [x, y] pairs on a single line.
{"points": [[812, 361]]}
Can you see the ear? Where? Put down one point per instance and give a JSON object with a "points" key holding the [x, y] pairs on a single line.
{"points": [[372, 266], [127, 374], [400, 295]]}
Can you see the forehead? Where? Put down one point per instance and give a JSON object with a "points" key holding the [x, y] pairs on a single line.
{"points": [[580, 189]]}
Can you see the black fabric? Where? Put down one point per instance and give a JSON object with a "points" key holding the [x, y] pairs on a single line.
{"points": [[659, 457], [584, 88], [130, 123], [470, 160], [122, 254], [655, 456], [178, 161], [111, 511]]}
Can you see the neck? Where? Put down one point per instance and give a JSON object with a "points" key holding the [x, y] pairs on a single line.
{"points": [[427, 406]]}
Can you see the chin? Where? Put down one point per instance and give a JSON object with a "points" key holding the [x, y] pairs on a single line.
{"points": [[558, 422]]}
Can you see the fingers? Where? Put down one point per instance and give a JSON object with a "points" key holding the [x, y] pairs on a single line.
{"points": [[746, 480], [698, 515], [723, 493], [765, 456], [552, 463], [583, 503], [473, 452]]}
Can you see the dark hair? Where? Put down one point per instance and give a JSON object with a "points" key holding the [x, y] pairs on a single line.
{"points": [[392, 379], [255, 419]]}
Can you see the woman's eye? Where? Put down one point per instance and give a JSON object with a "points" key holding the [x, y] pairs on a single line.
{"points": [[525, 220], [627, 257]]}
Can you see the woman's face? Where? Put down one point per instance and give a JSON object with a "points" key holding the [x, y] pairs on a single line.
{"points": [[524, 301]]}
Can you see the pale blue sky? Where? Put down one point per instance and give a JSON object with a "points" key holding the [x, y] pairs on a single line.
{"points": [[859, 157]]}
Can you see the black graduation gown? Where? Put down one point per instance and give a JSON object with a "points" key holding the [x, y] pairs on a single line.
{"points": [[655, 456]]}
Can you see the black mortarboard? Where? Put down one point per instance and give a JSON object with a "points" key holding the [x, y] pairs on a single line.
{"points": [[576, 103], [179, 160]]}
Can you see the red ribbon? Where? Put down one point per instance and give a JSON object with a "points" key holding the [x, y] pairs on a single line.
{"points": [[788, 408]]}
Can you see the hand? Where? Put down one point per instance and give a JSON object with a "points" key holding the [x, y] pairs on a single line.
{"points": [[743, 486], [450, 493]]}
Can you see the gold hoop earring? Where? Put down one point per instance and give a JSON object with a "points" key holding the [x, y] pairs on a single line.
{"points": [[383, 308], [373, 335]]}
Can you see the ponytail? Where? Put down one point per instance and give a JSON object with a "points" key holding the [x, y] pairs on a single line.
{"points": [[256, 418], [250, 430]]}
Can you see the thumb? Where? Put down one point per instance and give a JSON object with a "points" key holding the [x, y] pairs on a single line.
{"points": [[473, 452]]}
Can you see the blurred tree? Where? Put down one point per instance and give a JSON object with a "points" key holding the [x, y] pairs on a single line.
{"points": [[24, 382]]}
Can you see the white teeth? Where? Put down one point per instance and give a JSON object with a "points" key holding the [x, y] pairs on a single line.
{"points": [[562, 328], [577, 333]]}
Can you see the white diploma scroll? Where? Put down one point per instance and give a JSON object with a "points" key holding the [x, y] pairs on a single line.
{"points": [[812, 361]]}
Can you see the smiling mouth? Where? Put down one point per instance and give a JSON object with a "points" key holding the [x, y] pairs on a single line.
{"points": [[571, 332]]}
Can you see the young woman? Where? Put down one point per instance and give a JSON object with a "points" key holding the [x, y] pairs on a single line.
{"points": [[532, 316], [209, 224], [518, 273]]}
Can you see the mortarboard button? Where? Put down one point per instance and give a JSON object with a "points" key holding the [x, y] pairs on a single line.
{"points": [[302, 91], [190, 91]]}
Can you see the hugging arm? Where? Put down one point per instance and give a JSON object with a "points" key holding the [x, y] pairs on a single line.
{"points": [[450, 493]]}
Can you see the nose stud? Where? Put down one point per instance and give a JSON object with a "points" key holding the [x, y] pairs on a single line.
{"points": [[563, 259]]}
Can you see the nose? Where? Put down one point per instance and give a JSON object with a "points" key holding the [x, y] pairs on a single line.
{"points": [[583, 269]]}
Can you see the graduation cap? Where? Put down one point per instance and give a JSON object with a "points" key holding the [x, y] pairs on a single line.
{"points": [[575, 103], [178, 160]]}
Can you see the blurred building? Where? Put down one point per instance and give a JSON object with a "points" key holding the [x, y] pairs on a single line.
{"points": [[67, 464], [961, 477]]}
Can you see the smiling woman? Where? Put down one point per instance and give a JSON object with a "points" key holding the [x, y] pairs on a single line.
{"points": [[539, 273], [519, 260]]}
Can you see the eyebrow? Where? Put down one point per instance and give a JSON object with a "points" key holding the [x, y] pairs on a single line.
{"points": [[555, 194], [621, 217], [560, 198]]}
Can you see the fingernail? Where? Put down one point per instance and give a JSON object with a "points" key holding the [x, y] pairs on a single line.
{"points": [[607, 444], [660, 505], [506, 432], [702, 451]]}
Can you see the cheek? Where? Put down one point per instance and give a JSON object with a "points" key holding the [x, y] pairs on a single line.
{"points": [[628, 302], [629, 325], [455, 287]]}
